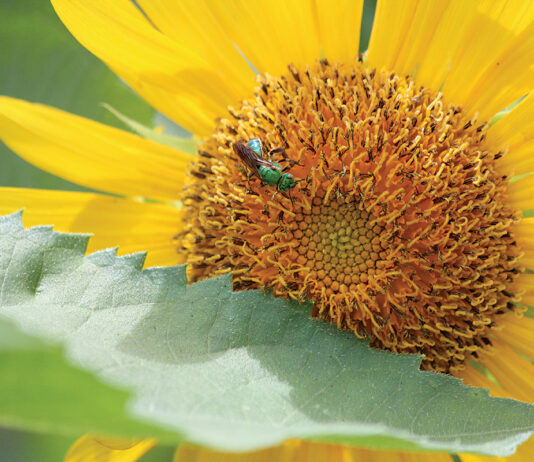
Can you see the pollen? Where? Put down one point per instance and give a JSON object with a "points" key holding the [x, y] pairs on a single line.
{"points": [[397, 227]]}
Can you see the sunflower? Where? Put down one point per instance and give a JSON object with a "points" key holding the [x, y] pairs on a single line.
{"points": [[380, 186]]}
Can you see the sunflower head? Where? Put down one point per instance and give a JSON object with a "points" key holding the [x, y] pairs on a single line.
{"points": [[396, 227]]}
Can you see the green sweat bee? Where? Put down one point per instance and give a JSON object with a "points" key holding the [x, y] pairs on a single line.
{"points": [[271, 173]]}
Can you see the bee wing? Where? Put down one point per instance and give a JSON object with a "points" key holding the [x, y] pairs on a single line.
{"points": [[248, 156], [266, 163]]}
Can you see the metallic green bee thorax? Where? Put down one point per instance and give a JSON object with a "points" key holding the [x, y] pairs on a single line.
{"points": [[269, 175]]}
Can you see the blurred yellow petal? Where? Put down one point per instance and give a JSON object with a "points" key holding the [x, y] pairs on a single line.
{"points": [[491, 30], [448, 37], [193, 26], [475, 52], [91, 154], [134, 226], [524, 233], [515, 128], [474, 378], [525, 284], [515, 132], [414, 45], [339, 28], [527, 260], [158, 66], [509, 77], [518, 161], [518, 333], [392, 22], [192, 111], [271, 33], [521, 193], [303, 451], [95, 449], [513, 372]]}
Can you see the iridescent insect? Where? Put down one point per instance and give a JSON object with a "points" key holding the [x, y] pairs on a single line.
{"points": [[271, 173]]}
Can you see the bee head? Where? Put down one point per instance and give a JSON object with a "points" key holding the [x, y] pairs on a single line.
{"points": [[287, 182]]}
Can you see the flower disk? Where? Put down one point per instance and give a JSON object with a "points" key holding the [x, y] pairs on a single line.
{"points": [[397, 228]]}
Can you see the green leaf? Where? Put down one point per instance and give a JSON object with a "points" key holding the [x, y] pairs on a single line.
{"points": [[40, 391], [41, 62], [234, 371], [12, 338], [18, 446], [184, 144]]}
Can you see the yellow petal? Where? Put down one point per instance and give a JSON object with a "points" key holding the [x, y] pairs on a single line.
{"points": [[515, 132], [474, 378], [524, 233], [475, 52], [491, 30], [515, 128], [509, 76], [134, 226], [95, 449], [339, 28], [155, 64], [525, 286], [419, 33], [193, 25], [521, 193], [302, 451], [91, 154], [192, 111], [448, 37], [514, 373], [527, 260], [271, 33], [391, 24], [517, 161], [517, 333]]}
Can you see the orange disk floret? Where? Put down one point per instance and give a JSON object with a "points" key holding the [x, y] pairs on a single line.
{"points": [[397, 228]]}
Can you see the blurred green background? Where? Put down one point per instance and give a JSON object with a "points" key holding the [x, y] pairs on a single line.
{"points": [[41, 62]]}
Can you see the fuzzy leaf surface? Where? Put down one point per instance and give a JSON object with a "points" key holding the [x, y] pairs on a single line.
{"points": [[40, 391]]}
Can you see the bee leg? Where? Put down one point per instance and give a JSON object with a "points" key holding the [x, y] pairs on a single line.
{"points": [[287, 195], [276, 193], [290, 198], [283, 153], [249, 176]]}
